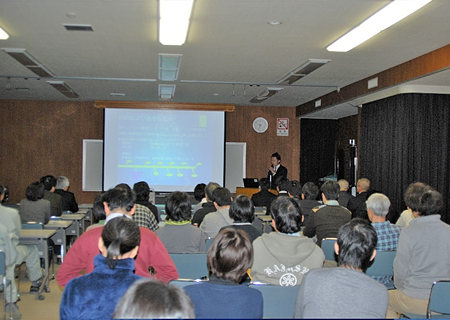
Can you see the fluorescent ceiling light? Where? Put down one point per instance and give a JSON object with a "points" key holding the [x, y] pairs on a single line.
{"points": [[174, 21], [3, 34], [166, 91], [383, 19], [302, 71], [265, 95], [169, 66]]}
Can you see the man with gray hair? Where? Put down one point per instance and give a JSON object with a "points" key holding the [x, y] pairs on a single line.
{"points": [[377, 209], [68, 202], [207, 207]]}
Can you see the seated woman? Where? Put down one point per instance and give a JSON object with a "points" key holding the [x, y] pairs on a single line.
{"points": [[34, 208], [178, 235], [95, 295], [242, 212], [229, 258], [151, 299]]}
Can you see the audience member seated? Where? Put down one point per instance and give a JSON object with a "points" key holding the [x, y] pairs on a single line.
{"points": [[377, 209], [49, 183], [199, 195], [142, 190], [68, 202], [309, 200], [214, 221], [344, 195], [153, 261], [151, 299], [142, 215], [242, 212], [423, 252], [98, 213], [284, 256], [229, 257], [357, 205], [345, 292], [178, 234], [405, 218], [34, 208], [283, 185], [264, 197], [325, 220], [207, 207], [16, 254], [95, 295], [295, 190]]}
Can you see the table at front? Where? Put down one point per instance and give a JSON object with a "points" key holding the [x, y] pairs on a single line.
{"points": [[251, 191], [60, 226], [78, 221], [39, 238]]}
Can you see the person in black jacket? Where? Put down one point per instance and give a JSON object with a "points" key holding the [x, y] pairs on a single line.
{"points": [[264, 197], [276, 170], [68, 202], [357, 205]]}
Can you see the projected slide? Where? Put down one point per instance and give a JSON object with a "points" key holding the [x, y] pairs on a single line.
{"points": [[171, 150]]}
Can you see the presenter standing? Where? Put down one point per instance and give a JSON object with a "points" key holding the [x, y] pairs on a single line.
{"points": [[276, 170]]}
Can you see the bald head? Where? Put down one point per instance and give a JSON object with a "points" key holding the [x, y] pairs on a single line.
{"points": [[343, 185], [363, 185]]}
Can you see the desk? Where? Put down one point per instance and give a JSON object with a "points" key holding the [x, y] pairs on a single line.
{"points": [[59, 237], [251, 191], [260, 211], [78, 222], [87, 214], [38, 238], [266, 221]]}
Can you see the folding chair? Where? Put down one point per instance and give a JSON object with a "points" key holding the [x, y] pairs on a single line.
{"points": [[383, 265], [208, 243], [190, 265], [328, 248], [5, 282], [279, 302]]}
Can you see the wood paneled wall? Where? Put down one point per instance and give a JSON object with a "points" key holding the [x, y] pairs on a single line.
{"points": [[260, 146], [46, 137]]}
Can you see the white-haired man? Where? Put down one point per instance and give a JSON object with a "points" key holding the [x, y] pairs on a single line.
{"points": [[377, 209], [68, 202]]}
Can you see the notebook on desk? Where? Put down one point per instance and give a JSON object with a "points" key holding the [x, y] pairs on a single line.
{"points": [[251, 183]]}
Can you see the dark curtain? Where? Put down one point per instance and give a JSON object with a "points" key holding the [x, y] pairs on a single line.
{"points": [[405, 139], [317, 149]]}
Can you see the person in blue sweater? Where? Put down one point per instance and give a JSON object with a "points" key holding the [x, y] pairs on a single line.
{"points": [[95, 295], [229, 258]]}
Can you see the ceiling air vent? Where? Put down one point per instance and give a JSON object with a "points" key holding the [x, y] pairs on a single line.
{"points": [[63, 88], [26, 59], [265, 95], [78, 27], [302, 71]]}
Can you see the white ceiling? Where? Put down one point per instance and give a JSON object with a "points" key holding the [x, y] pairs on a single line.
{"points": [[229, 41]]}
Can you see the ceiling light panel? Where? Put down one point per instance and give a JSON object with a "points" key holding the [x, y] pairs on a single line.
{"points": [[169, 66], [3, 34], [302, 71], [166, 92], [382, 19], [265, 95], [174, 21]]}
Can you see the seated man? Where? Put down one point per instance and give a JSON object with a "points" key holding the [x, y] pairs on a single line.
{"points": [[152, 260], [49, 183], [142, 190], [325, 220], [423, 252], [264, 197], [344, 195], [207, 207], [357, 205], [345, 292], [17, 254], [68, 202], [377, 209], [283, 257], [214, 221], [308, 200], [199, 195]]}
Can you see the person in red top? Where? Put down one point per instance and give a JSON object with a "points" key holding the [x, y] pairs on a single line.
{"points": [[152, 260]]}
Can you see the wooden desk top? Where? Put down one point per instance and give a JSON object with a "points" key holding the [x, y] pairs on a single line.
{"points": [[265, 218], [73, 216], [58, 224], [28, 234]]}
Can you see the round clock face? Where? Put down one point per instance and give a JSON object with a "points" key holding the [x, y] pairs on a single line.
{"points": [[260, 125]]}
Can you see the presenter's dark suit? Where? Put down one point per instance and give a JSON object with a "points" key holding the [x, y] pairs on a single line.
{"points": [[68, 202], [281, 172]]}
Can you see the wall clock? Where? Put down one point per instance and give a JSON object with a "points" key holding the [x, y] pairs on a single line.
{"points": [[260, 125]]}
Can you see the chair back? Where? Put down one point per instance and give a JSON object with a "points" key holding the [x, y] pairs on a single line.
{"points": [[2, 266], [279, 302], [328, 248], [208, 243], [181, 283], [383, 264], [439, 299], [33, 225], [190, 265]]}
